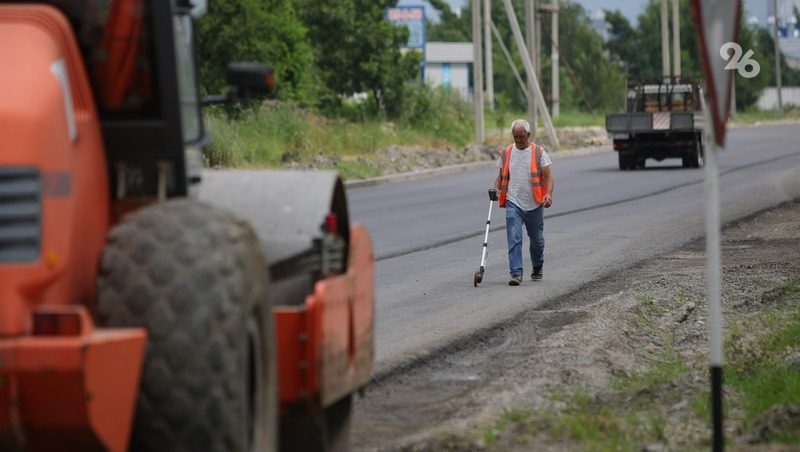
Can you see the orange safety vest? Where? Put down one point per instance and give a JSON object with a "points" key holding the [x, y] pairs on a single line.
{"points": [[536, 175]]}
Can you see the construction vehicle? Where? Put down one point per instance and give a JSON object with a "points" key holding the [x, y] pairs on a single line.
{"points": [[141, 306], [663, 119]]}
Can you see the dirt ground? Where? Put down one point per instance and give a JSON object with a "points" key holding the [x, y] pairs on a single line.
{"points": [[604, 333]]}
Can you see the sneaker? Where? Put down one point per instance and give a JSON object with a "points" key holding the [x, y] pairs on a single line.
{"points": [[537, 273], [515, 280]]}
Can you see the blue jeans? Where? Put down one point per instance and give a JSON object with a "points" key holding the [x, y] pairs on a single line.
{"points": [[534, 224]]}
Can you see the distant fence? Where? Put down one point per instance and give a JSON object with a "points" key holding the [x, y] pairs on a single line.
{"points": [[790, 96]]}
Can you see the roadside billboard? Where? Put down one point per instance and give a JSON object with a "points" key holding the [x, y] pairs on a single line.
{"points": [[412, 17]]}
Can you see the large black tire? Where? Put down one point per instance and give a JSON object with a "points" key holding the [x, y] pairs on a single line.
{"points": [[195, 277]]}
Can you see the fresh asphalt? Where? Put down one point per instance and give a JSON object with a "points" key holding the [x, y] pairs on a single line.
{"points": [[428, 228]]}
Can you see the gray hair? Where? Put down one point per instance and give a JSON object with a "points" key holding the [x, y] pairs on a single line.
{"points": [[521, 123]]}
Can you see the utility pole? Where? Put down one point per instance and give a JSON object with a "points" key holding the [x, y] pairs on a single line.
{"points": [[665, 41], [554, 82], [552, 9], [477, 72], [777, 57], [530, 11], [532, 80], [487, 39], [537, 35], [676, 39], [510, 62]]}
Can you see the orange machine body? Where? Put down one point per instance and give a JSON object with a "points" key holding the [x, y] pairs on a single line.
{"points": [[325, 346], [58, 374]]}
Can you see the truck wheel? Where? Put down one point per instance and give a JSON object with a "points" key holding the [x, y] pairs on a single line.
{"points": [[195, 277], [623, 161], [693, 159], [325, 430], [698, 157]]}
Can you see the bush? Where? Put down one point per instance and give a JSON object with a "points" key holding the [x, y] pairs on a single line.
{"points": [[437, 111]]}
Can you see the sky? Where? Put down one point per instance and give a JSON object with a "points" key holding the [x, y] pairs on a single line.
{"points": [[630, 8]]}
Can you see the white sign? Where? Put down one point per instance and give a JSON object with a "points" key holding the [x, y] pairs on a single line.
{"points": [[412, 17], [717, 25]]}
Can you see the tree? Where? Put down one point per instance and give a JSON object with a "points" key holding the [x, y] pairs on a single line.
{"points": [[357, 50], [648, 42], [592, 82], [587, 74], [451, 28], [622, 42], [641, 47], [266, 31]]}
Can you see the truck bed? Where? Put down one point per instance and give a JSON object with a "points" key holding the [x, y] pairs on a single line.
{"points": [[638, 122]]}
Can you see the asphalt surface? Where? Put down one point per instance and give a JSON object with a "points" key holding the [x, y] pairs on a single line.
{"points": [[428, 233]]}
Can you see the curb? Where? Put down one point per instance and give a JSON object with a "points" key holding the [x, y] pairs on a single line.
{"points": [[451, 169], [417, 175]]}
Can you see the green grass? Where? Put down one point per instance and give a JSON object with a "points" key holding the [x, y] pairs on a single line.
{"points": [[753, 116], [633, 413], [498, 122], [509, 418], [278, 135], [762, 378]]}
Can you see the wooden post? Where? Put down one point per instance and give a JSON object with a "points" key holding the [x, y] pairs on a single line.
{"points": [[664, 41], [530, 5], [487, 39], [777, 58], [676, 40], [554, 86], [477, 72], [532, 80]]}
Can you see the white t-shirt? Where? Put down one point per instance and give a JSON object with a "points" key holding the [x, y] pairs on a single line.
{"points": [[519, 172]]}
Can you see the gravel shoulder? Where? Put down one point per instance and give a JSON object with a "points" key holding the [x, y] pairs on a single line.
{"points": [[633, 343], [398, 163]]}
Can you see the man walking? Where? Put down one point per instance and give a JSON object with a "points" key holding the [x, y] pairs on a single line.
{"points": [[524, 184]]}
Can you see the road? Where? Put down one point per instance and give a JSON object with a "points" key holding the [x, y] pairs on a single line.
{"points": [[428, 234]]}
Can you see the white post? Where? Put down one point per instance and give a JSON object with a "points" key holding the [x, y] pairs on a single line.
{"points": [[713, 253], [487, 39], [676, 39], [477, 71], [665, 41], [554, 103], [714, 281], [530, 6], [537, 39], [778, 77]]}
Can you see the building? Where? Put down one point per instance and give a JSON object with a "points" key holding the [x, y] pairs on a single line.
{"points": [[449, 64]]}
